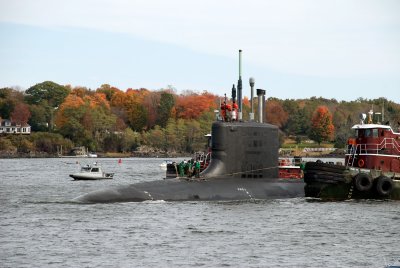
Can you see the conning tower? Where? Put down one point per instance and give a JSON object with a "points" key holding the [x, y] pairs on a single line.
{"points": [[243, 149]]}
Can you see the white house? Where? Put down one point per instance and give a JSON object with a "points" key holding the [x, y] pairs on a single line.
{"points": [[8, 127]]}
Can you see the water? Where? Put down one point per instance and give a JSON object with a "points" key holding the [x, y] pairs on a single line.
{"points": [[40, 227]]}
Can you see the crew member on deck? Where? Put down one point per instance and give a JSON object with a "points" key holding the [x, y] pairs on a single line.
{"points": [[181, 169], [197, 169]]}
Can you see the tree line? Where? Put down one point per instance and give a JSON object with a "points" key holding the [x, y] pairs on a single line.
{"points": [[112, 120]]}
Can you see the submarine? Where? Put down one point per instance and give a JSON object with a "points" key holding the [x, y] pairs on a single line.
{"points": [[243, 166]]}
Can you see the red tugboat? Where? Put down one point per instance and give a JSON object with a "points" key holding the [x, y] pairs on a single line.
{"points": [[372, 169]]}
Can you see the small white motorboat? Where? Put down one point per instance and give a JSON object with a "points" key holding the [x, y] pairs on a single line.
{"points": [[92, 155], [91, 172], [164, 164]]}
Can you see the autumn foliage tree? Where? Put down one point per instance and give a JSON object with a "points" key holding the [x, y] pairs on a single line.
{"points": [[322, 128], [9, 98], [129, 106], [275, 114], [108, 119], [85, 119], [192, 106], [21, 114]]}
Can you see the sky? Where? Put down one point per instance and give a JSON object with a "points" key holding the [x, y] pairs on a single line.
{"points": [[342, 49]]}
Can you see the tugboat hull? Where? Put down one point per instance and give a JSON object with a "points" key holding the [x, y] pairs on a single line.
{"points": [[335, 182]]}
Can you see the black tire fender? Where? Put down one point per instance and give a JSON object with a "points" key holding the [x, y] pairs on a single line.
{"points": [[363, 182], [384, 185], [313, 166]]}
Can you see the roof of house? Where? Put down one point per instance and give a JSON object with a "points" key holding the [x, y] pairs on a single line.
{"points": [[3, 123]]}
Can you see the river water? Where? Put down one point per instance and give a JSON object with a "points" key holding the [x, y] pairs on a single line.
{"points": [[41, 227]]}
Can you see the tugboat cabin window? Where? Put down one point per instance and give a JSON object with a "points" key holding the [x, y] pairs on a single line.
{"points": [[361, 133]]}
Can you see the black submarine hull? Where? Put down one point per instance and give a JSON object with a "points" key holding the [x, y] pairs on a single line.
{"points": [[197, 190], [244, 165]]}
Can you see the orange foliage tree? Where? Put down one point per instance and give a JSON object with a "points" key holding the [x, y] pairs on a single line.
{"points": [[108, 90], [194, 105], [71, 103], [322, 128], [130, 108], [275, 114], [83, 116]]}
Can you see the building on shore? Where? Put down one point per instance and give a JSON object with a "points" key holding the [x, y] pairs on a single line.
{"points": [[9, 127]]}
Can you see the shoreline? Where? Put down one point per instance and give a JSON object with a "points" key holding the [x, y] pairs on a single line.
{"points": [[143, 155], [99, 155]]}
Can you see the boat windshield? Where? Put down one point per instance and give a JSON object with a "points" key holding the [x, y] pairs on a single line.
{"points": [[364, 133], [86, 168], [95, 169]]}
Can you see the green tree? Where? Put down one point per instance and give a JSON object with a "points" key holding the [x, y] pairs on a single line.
{"points": [[156, 138], [298, 123], [181, 130], [9, 98], [50, 142], [194, 137], [137, 116], [170, 135], [130, 140], [167, 102], [49, 95], [74, 131], [6, 145], [47, 92], [112, 143], [23, 143], [37, 121]]}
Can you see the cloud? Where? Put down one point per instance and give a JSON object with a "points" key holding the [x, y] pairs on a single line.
{"points": [[335, 38]]}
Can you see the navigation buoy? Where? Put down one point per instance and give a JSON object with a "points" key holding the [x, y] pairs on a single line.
{"points": [[119, 161]]}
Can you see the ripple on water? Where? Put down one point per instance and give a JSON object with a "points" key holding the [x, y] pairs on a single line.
{"points": [[41, 227]]}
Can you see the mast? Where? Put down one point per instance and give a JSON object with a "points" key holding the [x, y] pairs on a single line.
{"points": [[239, 86]]}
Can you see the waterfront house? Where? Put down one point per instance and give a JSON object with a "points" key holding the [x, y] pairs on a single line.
{"points": [[9, 127]]}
